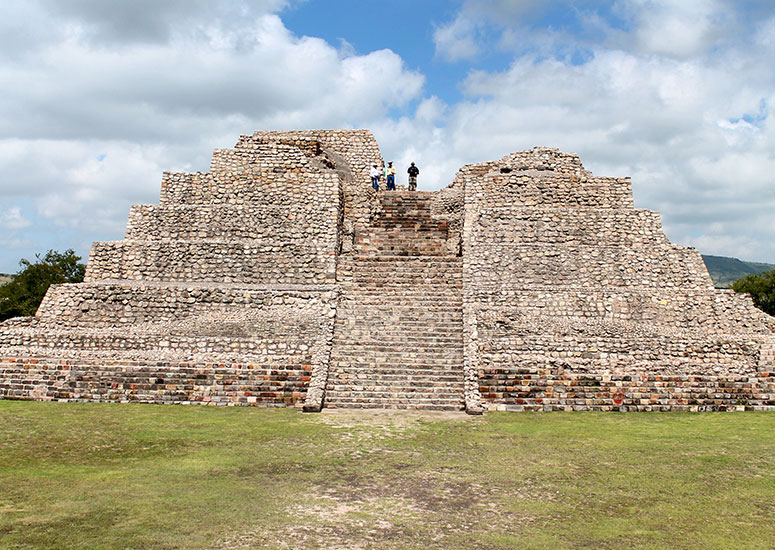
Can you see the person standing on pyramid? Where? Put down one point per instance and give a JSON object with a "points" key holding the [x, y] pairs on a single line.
{"points": [[413, 172], [390, 172], [375, 173]]}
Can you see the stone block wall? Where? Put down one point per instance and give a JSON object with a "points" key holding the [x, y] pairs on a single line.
{"points": [[575, 300], [163, 344], [224, 293], [349, 152], [226, 261], [264, 156]]}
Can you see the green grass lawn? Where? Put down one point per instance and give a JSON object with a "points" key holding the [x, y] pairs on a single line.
{"points": [[140, 476]]}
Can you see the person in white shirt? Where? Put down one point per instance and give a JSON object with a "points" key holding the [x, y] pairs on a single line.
{"points": [[375, 173]]}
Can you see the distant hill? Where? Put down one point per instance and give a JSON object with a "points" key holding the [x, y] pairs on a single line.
{"points": [[4, 278], [724, 271]]}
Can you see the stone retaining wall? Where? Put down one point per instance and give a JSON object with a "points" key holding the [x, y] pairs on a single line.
{"points": [[710, 310], [635, 229], [283, 223], [550, 388], [256, 187], [257, 262], [511, 266], [49, 379], [564, 280]]}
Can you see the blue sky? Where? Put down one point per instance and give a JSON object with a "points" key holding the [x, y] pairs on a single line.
{"points": [[98, 98]]}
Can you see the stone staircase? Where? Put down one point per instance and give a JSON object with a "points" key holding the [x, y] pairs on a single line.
{"points": [[398, 337], [405, 227]]}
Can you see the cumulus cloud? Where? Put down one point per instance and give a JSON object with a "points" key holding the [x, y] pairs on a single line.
{"points": [[457, 40], [97, 99], [153, 20], [13, 219], [677, 28]]}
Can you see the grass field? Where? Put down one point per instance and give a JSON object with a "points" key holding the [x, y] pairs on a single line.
{"points": [[141, 476]]}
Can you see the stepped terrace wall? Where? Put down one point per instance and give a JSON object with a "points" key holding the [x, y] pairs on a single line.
{"points": [[574, 300], [224, 293], [260, 227], [169, 344]]}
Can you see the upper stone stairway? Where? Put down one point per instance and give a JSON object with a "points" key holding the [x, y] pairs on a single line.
{"points": [[404, 227], [398, 337]]}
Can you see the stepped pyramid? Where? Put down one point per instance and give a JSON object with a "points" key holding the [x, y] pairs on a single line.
{"points": [[280, 278]]}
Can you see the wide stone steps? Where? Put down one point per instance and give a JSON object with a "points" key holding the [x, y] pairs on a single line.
{"points": [[428, 246], [406, 308], [401, 289], [403, 377], [371, 393], [412, 403], [427, 270], [385, 367], [412, 313], [397, 331], [398, 336]]}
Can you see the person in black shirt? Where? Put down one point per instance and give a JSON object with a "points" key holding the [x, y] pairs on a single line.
{"points": [[413, 171]]}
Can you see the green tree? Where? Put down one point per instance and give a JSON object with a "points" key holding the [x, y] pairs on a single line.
{"points": [[22, 295], [761, 287]]}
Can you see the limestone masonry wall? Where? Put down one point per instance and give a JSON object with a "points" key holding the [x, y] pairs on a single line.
{"points": [[212, 261], [280, 278], [574, 300]]}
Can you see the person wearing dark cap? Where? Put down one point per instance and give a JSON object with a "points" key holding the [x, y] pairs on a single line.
{"points": [[413, 172]]}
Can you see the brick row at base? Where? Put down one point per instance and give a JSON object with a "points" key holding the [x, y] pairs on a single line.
{"points": [[245, 384], [558, 390]]}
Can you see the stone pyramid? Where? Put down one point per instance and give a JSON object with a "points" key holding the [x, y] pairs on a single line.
{"points": [[280, 278]]}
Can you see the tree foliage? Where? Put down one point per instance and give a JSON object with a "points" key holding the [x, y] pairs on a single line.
{"points": [[761, 287], [22, 295]]}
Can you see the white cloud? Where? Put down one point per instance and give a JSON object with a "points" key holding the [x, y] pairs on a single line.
{"points": [[457, 40], [678, 28], [12, 219], [91, 113]]}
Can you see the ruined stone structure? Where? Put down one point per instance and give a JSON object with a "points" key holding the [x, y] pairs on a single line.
{"points": [[280, 278]]}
